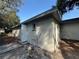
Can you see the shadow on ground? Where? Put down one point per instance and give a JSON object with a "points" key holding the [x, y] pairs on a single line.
{"points": [[68, 50]]}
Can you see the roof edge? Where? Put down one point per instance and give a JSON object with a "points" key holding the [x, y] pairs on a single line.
{"points": [[70, 20], [40, 15]]}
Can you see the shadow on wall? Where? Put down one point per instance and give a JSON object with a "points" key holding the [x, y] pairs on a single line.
{"points": [[69, 50]]}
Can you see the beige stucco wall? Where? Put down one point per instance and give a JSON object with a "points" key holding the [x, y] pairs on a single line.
{"points": [[45, 36], [70, 31]]}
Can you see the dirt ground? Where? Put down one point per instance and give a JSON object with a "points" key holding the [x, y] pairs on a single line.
{"points": [[68, 50], [7, 39]]}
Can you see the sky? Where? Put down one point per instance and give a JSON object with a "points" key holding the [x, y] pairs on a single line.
{"points": [[30, 8]]}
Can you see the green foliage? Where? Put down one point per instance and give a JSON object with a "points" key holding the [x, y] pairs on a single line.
{"points": [[8, 17], [66, 5], [9, 5], [9, 20]]}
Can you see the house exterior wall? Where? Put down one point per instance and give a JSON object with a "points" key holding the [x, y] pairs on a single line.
{"points": [[46, 34], [15, 33], [2, 31], [70, 31]]}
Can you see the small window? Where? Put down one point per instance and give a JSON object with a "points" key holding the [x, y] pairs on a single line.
{"points": [[34, 27]]}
